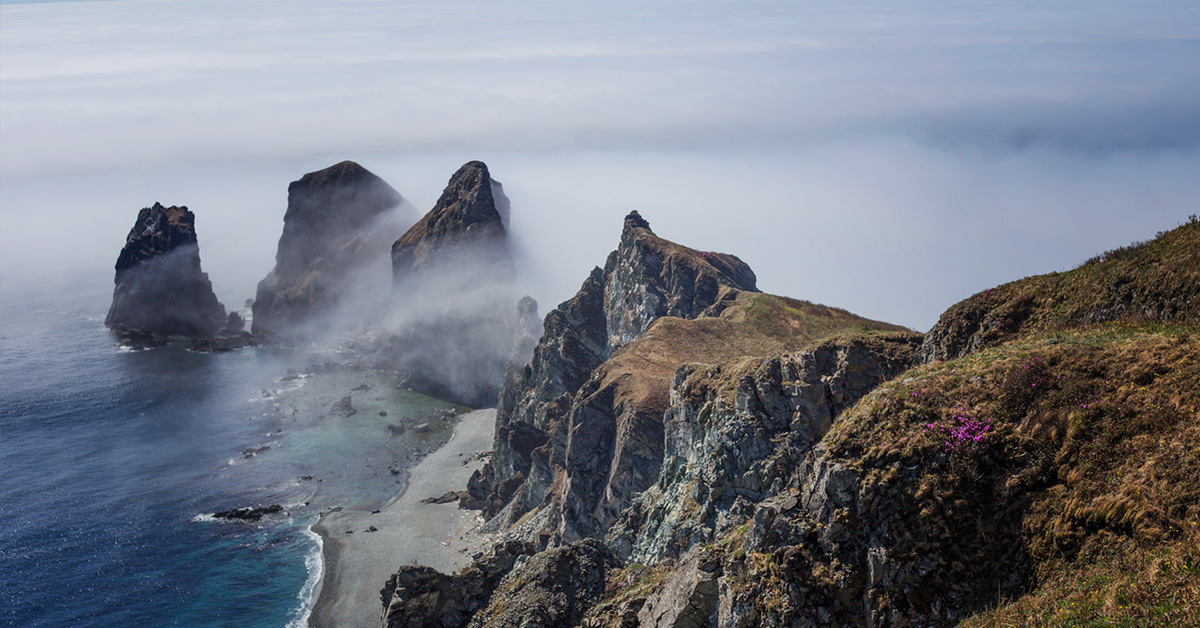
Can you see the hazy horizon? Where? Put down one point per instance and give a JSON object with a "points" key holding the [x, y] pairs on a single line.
{"points": [[887, 160]]}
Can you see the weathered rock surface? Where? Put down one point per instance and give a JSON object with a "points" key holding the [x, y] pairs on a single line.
{"points": [[734, 431], [331, 264], [644, 279], [552, 589], [464, 232], [580, 432], [689, 598], [160, 289], [421, 596], [456, 327]]}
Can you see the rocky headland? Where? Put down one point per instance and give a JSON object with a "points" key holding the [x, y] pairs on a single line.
{"points": [[161, 292], [685, 451]]}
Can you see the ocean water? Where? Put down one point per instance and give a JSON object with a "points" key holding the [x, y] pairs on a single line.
{"points": [[111, 462]]}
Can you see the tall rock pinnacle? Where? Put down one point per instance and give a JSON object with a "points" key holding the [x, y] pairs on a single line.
{"points": [[464, 229], [160, 290], [457, 320], [331, 232]]}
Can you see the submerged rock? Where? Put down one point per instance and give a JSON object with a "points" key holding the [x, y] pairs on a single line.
{"points": [[249, 514], [160, 289]]}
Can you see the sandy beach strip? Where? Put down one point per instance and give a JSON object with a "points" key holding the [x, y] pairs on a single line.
{"points": [[358, 563]]}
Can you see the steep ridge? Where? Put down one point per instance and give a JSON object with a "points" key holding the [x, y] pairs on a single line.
{"points": [[455, 314], [330, 266], [1054, 472], [160, 289], [580, 431], [645, 278], [464, 230]]}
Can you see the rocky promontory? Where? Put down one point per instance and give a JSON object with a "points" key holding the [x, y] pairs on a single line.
{"points": [[330, 266], [160, 289], [580, 432]]}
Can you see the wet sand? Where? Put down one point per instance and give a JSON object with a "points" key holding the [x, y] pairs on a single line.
{"points": [[357, 563]]}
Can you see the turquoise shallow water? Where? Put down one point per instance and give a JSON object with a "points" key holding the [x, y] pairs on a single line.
{"points": [[111, 461]]}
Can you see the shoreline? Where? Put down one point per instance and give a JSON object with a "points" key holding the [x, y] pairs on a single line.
{"points": [[357, 562]]}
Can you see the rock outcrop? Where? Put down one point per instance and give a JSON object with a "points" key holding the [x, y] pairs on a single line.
{"points": [[331, 265], [734, 431], [580, 431], [160, 289], [461, 237], [456, 327], [645, 278]]}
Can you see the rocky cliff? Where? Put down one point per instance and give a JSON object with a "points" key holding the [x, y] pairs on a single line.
{"points": [[455, 313], [160, 289], [1048, 476], [330, 266], [580, 431], [463, 234], [1048, 479]]}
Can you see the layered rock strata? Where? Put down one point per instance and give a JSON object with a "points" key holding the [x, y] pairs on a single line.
{"points": [[734, 431], [160, 289], [331, 264]]}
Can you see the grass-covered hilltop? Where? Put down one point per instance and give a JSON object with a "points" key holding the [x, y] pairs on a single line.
{"points": [[687, 451]]}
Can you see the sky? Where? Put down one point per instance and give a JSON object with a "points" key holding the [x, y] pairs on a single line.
{"points": [[890, 160]]}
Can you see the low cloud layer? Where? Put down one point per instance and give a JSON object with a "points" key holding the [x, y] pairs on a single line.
{"points": [[889, 160]]}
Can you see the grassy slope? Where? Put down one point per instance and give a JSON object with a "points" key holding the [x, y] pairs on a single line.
{"points": [[756, 324], [1092, 462], [1157, 280]]}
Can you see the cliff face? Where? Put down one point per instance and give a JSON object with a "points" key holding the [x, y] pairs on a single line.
{"points": [[1050, 471], [332, 254], [456, 317], [160, 289], [580, 431], [735, 430], [645, 278]]}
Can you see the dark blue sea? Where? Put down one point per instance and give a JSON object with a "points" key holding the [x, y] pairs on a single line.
{"points": [[112, 461]]}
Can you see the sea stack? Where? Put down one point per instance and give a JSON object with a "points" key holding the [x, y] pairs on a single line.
{"points": [[160, 290], [334, 244], [456, 315], [462, 235]]}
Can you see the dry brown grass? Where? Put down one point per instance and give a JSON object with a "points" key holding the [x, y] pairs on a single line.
{"points": [[1091, 475], [756, 324]]}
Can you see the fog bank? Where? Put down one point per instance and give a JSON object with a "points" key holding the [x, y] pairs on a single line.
{"points": [[889, 160]]}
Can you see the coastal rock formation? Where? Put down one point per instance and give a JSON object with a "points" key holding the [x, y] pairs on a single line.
{"points": [[462, 235], [645, 278], [733, 432], [330, 267], [509, 587], [1042, 476], [580, 431], [160, 289], [456, 327], [421, 596]]}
